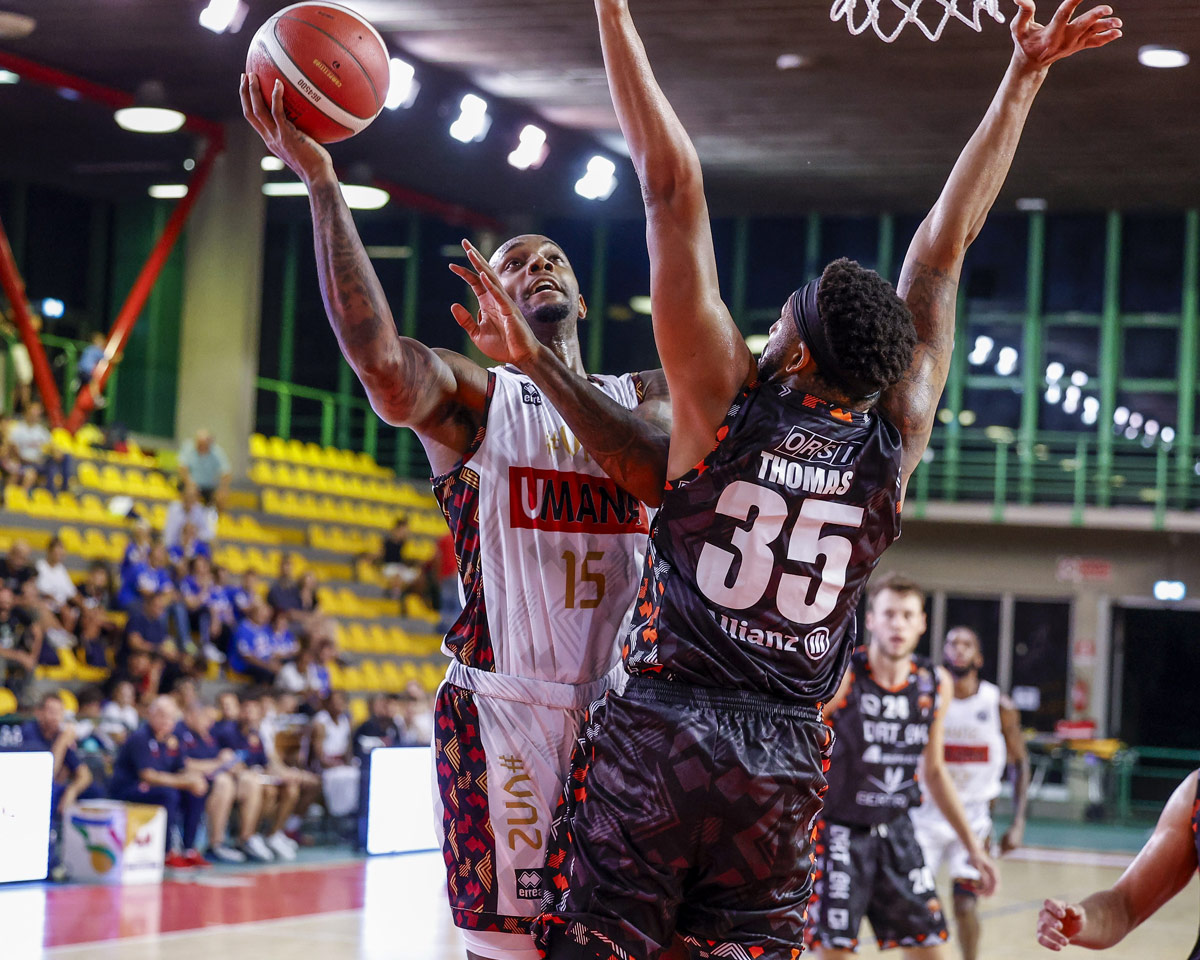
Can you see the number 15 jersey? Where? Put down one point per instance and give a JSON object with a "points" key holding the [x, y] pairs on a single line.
{"points": [[758, 554]]}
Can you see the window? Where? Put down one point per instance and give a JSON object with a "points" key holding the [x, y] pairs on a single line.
{"points": [[994, 274], [776, 262], [1152, 264], [1074, 268], [1150, 352]]}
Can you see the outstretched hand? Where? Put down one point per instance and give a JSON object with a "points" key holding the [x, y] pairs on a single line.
{"points": [[298, 150], [1059, 923], [1041, 45], [500, 330]]}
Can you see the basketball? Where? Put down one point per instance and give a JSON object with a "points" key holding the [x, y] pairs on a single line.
{"points": [[333, 64]]}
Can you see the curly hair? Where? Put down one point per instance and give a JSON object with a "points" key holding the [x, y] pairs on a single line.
{"points": [[871, 330]]}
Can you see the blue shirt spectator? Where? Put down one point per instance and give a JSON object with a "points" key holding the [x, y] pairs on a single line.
{"points": [[141, 580], [246, 743], [143, 751], [181, 553], [204, 463], [92, 354], [252, 641]]}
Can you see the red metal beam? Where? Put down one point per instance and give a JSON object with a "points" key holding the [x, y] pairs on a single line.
{"points": [[451, 213], [140, 292], [14, 289]]}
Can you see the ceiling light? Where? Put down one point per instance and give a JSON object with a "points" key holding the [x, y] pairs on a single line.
{"points": [[640, 305], [1164, 58], [757, 342], [1053, 393], [15, 26], [1131, 433], [189, 164], [168, 191], [1151, 428], [1169, 590], [1136, 420], [600, 180], [1079, 378], [1032, 204], [473, 121], [1071, 405], [7, 76], [1006, 362], [1055, 372], [1168, 434], [148, 113], [1121, 416], [967, 417], [531, 151], [224, 15], [271, 163], [357, 197], [52, 308], [791, 61], [1090, 416], [983, 350], [403, 86]]}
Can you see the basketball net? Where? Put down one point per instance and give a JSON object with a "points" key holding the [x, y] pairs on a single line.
{"points": [[908, 14]]}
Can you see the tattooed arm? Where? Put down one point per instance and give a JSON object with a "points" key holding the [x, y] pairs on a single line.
{"points": [[929, 279], [438, 393]]}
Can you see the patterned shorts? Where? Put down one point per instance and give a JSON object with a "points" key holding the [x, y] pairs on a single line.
{"points": [[689, 814]]}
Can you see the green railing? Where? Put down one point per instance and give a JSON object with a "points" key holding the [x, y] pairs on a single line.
{"points": [[62, 353], [1155, 763]]}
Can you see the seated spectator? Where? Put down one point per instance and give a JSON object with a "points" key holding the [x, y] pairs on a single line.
{"points": [[20, 644], [398, 573], [89, 721], [203, 462], [303, 677], [379, 729], [284, 595], [189, 509], [141, 539], [97, 589], [309, 602], [253, 649], [120, 716], [281, 794], [209, 611], [283, 640], [10, 460], [415, 718], [221, 768], [151, 768], [16, 568], [186, 550], [36, 450], [243, 595], [55, 585], [143, 671], [94, 636], [140, 579], [334, 750], [48, 732], [146, 632]]}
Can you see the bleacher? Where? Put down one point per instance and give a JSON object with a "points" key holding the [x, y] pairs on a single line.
{"points": [[326, 507]]}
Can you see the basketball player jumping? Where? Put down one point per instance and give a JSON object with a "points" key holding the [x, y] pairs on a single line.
{"points": [[983, 739], [1165, 865], [693, 792], [888, 719], [539, 473]]}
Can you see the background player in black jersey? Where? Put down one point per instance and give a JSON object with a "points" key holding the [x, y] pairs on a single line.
{"points": [[887, 719], [692, 794], [1165, 865]]}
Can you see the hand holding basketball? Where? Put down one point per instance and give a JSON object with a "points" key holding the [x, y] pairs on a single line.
{"points": [[501, 330], [1058, 923], [307, 158], [1040, 45]]}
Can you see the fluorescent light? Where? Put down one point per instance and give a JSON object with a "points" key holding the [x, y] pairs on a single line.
{"points": [[473, 121], [189, 164], [1053, 393], [1131, 433], [1006, 362], [1169, 590], [149, 119], [7, 76], [168, 191], [1090, 416], [791, 61], [600, 180], [1151, 428], [1168, 434], [1079, 378], [357, 196], [1055, 372], [757, 342], [640, 305], [52, 308], [1032, 204], [1162, 58], [983, 350], [403, 86], [1121, 416], [271, 163], [531, 150], [1136, 420], [222, 15]]}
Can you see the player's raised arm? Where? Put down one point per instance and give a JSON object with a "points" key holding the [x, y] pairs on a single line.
{"points": [[705, 359], [929, 279], [1163, 868], [437, 393]]}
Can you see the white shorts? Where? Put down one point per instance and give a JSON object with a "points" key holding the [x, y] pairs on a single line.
{"points": [[500, 946], [940, 843], [500, 763]]}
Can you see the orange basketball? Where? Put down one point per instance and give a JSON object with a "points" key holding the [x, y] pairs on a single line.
{"points": [[333, 64]]}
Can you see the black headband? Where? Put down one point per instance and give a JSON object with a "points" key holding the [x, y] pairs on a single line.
{"points": [[811, 328]]}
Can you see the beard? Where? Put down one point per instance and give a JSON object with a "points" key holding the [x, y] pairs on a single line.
{"points": [[549, 314], [959, 672], [770, 363]]}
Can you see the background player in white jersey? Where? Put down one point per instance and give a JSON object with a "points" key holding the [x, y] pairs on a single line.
{"points": [[540, 470], [982, 732]]}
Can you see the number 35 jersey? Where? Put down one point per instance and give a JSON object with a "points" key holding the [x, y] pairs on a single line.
{"points": [[758, 555]]}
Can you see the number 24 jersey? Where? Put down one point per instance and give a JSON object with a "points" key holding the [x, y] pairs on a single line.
{"points": [[759, 553]]}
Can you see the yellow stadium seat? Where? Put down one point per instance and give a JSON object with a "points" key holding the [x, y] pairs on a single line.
{"points": [[70, 704], [432, 674], [359, 712], [393, 682], [8, 702], [352, 679], [278, 448], [372, 677], [258, 445]]}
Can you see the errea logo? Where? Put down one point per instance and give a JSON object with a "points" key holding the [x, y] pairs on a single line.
{"points": [[529, 885], [811, 447]]}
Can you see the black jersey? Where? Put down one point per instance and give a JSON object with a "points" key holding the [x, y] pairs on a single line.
{"points": [[758, 554], [879, 735]]}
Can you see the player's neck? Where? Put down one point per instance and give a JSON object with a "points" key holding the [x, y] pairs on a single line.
{"points": [[966, 686], [563, 341], [807, 383], [887, 671]]}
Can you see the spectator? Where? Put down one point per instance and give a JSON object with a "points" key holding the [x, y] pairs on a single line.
{"points": [[243, 595], [379, 729], [145, 578], [97, 589], [95, 638], [38, 455], [284, 595], [416, 717], [146, 632], [150, 768], [55, 585], [186, 550], [120, 717], [141, 539], [283, 641], [22, 392], [252, 651], [89, 722], [20, 644], [309, 601], [282, 793], [15, 567], [209, 612], [10, 460], [305, 678], [92, 354], [203, 462], [47, 732], [189, 509], [397, 573], [221, 768], [333, 745]]}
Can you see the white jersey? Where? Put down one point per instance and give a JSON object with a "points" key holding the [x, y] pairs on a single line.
{"points": [[976, 753], [549, 548]]}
